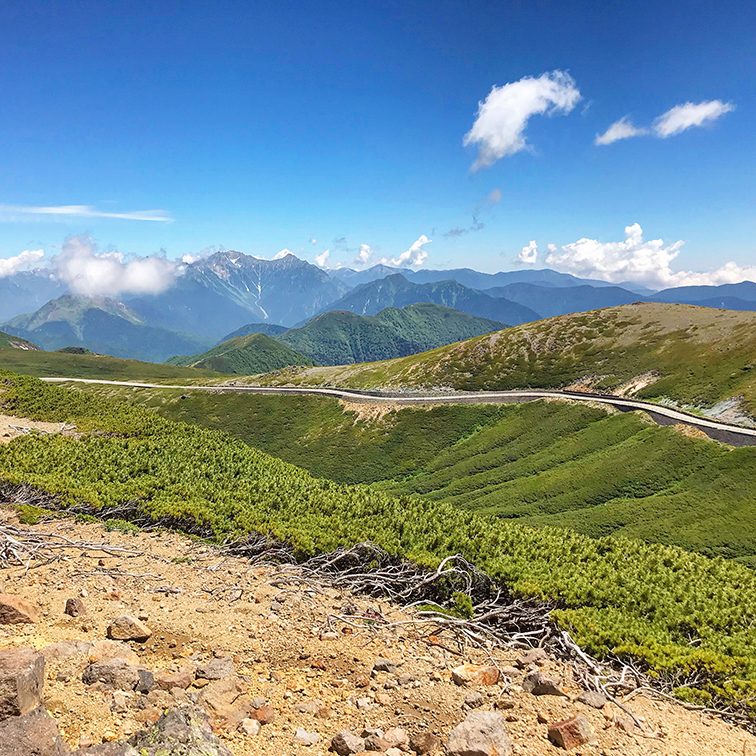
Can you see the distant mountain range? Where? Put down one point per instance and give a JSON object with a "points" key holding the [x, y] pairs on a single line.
{"points": [[397, 291], [102, 325], [230, 294]]}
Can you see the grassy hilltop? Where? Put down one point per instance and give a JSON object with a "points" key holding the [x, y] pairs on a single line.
{"points": [[27, 361], [701, 356], [254, 353]]}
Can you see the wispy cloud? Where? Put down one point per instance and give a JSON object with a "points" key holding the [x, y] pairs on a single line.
{"points": [[491, 199], [15, 212], [622, 129], [673, 122], [499, 127], [683, 117]]}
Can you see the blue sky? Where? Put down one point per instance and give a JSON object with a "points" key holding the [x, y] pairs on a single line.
{"points": [[261, 126]]}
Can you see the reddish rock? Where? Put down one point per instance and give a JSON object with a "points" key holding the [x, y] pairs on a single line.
{"points": [[181, 679], [225, 702], [570, 733], [472, 674], [265, 714], [22, 677], [361, 681], [33, 734], [75, 607], [424, 742], [16, 611]]}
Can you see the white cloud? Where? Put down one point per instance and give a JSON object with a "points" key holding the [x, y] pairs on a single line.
{"points": [[364, 255], [683, 117], [313, 240], [283, 253], [90, 272], [415, 255], [528, 255], [503, 116], [24, 261], [673, 122], [11, 213], [622, 129], [322, 259], [634, 259]]}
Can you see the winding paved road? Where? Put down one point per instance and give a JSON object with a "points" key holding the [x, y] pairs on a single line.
{"points": [[735, 435]]}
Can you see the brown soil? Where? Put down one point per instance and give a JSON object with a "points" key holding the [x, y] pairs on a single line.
{"points": [[8, 432], [199, 602]]}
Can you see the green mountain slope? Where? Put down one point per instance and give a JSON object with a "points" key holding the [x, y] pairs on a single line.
{"points": [[14, 342], [340, 337], [102, 325], [255, 353], [616, 596], [24, 358], [543, 463], [692, 355]]}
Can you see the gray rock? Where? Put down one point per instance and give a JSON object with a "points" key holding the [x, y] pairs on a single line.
{"points": [[107, 749], [75, 607], [347, 743], [306, 738], [474, 700], [250, 727], [217, 669], [115, 674], [531, 656], [483, 733], [180, 732], [146, 681], [22, 677], [540, 685], [258, 703], [385, 665], [593, 698], [33, 734]]}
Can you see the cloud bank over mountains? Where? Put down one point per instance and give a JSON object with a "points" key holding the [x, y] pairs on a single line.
{"points": [[634, 259], [90, 272]]}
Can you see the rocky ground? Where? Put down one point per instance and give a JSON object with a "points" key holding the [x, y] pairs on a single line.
{"points": [[168, 640]]}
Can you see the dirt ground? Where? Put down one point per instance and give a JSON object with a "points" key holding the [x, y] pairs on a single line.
{"points": [[200, 603], [8, 432]]}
